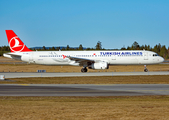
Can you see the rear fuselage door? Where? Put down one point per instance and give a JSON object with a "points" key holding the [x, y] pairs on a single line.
{"points": [[31, 57]]}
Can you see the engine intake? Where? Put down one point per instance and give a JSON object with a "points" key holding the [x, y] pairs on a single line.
{"points": [[99, 65]]}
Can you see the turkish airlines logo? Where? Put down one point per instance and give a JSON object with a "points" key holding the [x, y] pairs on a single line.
{"points": [[15, 44]]}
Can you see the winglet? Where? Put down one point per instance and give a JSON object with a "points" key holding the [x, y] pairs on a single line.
{"points": [[15, 43]]}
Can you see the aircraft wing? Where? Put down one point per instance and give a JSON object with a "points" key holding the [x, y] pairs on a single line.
{"points": [[81, 61]]}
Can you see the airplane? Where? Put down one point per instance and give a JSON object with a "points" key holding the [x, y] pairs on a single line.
{"points": [[88, 59]]}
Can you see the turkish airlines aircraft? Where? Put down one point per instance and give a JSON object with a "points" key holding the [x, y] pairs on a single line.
{"points": [[91, 59]]}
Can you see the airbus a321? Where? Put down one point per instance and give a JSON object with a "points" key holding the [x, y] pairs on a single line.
{"points": [[87, 59]]}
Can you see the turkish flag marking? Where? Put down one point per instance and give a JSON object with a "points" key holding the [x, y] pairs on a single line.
{"points": [[64, 56]]}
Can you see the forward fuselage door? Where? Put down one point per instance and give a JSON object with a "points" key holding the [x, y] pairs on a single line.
{"points": [[145, 55]]}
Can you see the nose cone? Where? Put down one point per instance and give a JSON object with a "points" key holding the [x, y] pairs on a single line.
{"points": [[161, 59]]}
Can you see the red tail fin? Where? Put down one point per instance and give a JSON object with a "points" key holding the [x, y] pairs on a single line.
{"points": [[15, 44]]}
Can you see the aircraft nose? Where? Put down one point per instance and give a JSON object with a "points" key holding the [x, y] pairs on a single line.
{"points": [[162, 59]]}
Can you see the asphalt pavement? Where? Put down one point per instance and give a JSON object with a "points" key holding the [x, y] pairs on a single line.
{"points": [[83, 89]]}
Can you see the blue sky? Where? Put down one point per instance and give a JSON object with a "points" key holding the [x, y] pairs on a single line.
{"points": [[116, 23]]}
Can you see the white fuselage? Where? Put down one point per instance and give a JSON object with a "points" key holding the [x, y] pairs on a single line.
{"points": [[124, 57], [90, 59]]}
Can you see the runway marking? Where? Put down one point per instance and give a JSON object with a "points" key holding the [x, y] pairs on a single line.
{"points": [[24, 84]]}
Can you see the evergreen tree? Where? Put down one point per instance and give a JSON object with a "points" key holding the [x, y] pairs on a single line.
{"points": [[148, 47], [163, 52], [142, 47], [132, 47], [98, 46], [168, 53], [88, 49], [63, 49], [145, 47], [123, 48], [44, 48], [128, 48], [159, 48], [135, 45], [155, 49], [57, 48], [67, 48], [80, 47], [53, 48]]}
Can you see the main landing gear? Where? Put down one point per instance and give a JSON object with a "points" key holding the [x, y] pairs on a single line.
{"points": [[145, 68], [84, 69]]}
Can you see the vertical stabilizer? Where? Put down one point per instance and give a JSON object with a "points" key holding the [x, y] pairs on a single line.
{"points": [[15, 43]]}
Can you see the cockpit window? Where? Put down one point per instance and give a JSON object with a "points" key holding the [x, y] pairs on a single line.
{"points": [[155, 55]]}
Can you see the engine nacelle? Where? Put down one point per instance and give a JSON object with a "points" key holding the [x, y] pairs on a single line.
{"points": [[99, 65]]}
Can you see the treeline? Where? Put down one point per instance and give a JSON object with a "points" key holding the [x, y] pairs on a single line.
{"points": [[159, 49], [4, 49], [97, 47]]}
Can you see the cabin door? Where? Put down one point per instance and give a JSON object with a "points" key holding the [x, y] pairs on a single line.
{"points": [[145, 55], [31, 57]]}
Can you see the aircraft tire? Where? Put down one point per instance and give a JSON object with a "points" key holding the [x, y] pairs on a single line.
{"points": [[84, 70], [145, 70]]}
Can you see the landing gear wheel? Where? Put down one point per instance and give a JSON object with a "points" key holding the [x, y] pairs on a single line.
{"points": [[146, 70], [84, 70]]}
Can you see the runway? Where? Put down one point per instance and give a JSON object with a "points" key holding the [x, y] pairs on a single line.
{"points": [[24, 75], [83, 90]]}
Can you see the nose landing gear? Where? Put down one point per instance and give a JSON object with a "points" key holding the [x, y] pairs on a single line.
{"points": [[145, 68], [84, 69]]}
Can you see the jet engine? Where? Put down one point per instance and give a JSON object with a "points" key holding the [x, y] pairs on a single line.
{"points": [[99, 65]]}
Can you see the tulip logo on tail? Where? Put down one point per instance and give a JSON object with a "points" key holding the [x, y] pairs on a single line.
{"points": [[15, 45]]}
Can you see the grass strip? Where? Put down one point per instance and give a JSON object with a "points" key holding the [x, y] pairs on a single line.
{"points": [[118, 68], [126, 108]]}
